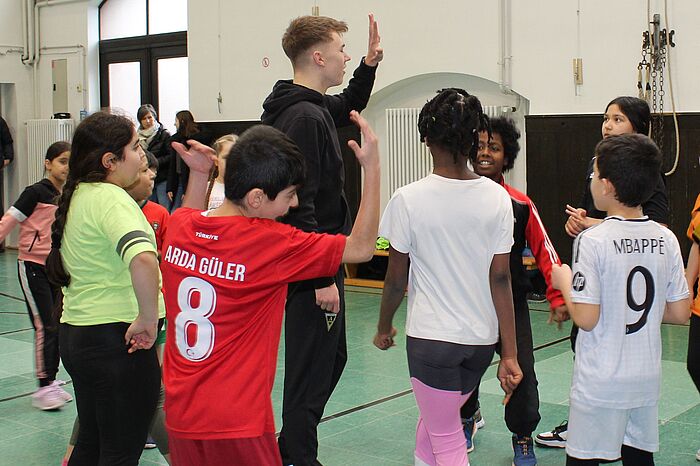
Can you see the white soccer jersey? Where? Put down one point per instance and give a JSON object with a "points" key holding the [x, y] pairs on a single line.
{"points": [[451, 229], [631, 268]]}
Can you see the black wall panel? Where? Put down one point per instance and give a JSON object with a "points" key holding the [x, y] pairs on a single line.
{"points": [[559, 148]]}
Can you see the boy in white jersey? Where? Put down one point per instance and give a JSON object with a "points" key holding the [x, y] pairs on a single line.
{"points": [[628, 277]]}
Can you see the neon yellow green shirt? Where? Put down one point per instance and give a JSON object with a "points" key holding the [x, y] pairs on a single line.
{"points": [[104, 231]]}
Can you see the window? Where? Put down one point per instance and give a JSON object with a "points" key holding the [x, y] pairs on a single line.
{"points": [[167, 16], [173, 92], [123, 18], [142, 40], [132, 18], [124, 85]]}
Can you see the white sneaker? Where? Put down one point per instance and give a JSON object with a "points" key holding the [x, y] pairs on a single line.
{"points": [[479, 419], [697, 455], [65, 396], [47, 398], [555, 438]]}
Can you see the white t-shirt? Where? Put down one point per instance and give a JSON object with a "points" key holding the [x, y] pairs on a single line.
{"points": [[631, 268], [216, 197], [451, 229]]}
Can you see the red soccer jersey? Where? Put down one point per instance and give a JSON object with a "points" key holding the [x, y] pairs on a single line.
{"points": [[226, 283], [158, 217]]}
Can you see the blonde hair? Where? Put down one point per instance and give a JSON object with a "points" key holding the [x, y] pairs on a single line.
{"points": [[214, 173], [219, 143]]}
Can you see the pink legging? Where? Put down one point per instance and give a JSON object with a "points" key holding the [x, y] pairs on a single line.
{"points": [[440, 440]]}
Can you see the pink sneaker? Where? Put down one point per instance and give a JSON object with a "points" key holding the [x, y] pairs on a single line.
{"points": [[47, 398], [65, 396]]}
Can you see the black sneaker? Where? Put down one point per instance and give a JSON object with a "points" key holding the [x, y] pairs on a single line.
{"points": [[536, 298], [555, 438]]}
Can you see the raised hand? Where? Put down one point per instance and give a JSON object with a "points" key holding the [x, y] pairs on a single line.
{"points": [[368, 154], [199, 157], [375, 53]]}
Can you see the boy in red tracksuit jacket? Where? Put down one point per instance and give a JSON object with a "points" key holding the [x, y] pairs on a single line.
{"points": [[495, 156]]}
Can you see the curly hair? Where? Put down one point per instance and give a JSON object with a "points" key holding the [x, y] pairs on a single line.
{"points": [[452, 120], [505, 127]]}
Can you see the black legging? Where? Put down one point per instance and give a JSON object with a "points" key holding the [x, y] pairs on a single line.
{"points": [[630, 457], [522, 411], [39, 296], [693, 363], [116, 393]]}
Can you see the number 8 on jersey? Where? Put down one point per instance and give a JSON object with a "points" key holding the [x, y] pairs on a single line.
{"points": [[200, 347]]}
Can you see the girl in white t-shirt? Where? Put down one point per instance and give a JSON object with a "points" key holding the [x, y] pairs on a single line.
{"points": [[455, 230], [215, 191]]}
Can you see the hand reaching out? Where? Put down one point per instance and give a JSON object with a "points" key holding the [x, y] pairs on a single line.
{"points": [[199, 157], [368, 154]]}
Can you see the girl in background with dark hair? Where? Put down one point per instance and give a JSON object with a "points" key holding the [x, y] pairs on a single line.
{"points": [[179, 172], [154, 138], [34, 212], [623, 115], [456, 231], [104, 256]]}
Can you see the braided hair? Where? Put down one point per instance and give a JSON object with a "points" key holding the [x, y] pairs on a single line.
{"points": [[95, 136], [452, 120]]}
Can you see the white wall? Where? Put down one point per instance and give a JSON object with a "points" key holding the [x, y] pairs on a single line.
{"points": [[457, 36], [427, 45], [431, 45]]}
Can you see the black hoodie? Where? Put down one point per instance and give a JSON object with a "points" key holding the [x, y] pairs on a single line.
{"points": [[310, 119]]}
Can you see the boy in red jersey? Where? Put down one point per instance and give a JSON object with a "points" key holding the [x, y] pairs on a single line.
{"points": [[141, 191], [226, 273]]}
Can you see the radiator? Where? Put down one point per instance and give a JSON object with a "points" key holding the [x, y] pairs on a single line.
{"points": [[408, 159], [40, 135]]}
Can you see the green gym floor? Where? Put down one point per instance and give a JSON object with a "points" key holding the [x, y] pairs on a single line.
{"points": [[371, 417]]}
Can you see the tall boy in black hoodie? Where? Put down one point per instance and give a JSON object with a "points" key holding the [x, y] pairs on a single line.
{"points": [[315, 348]]}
